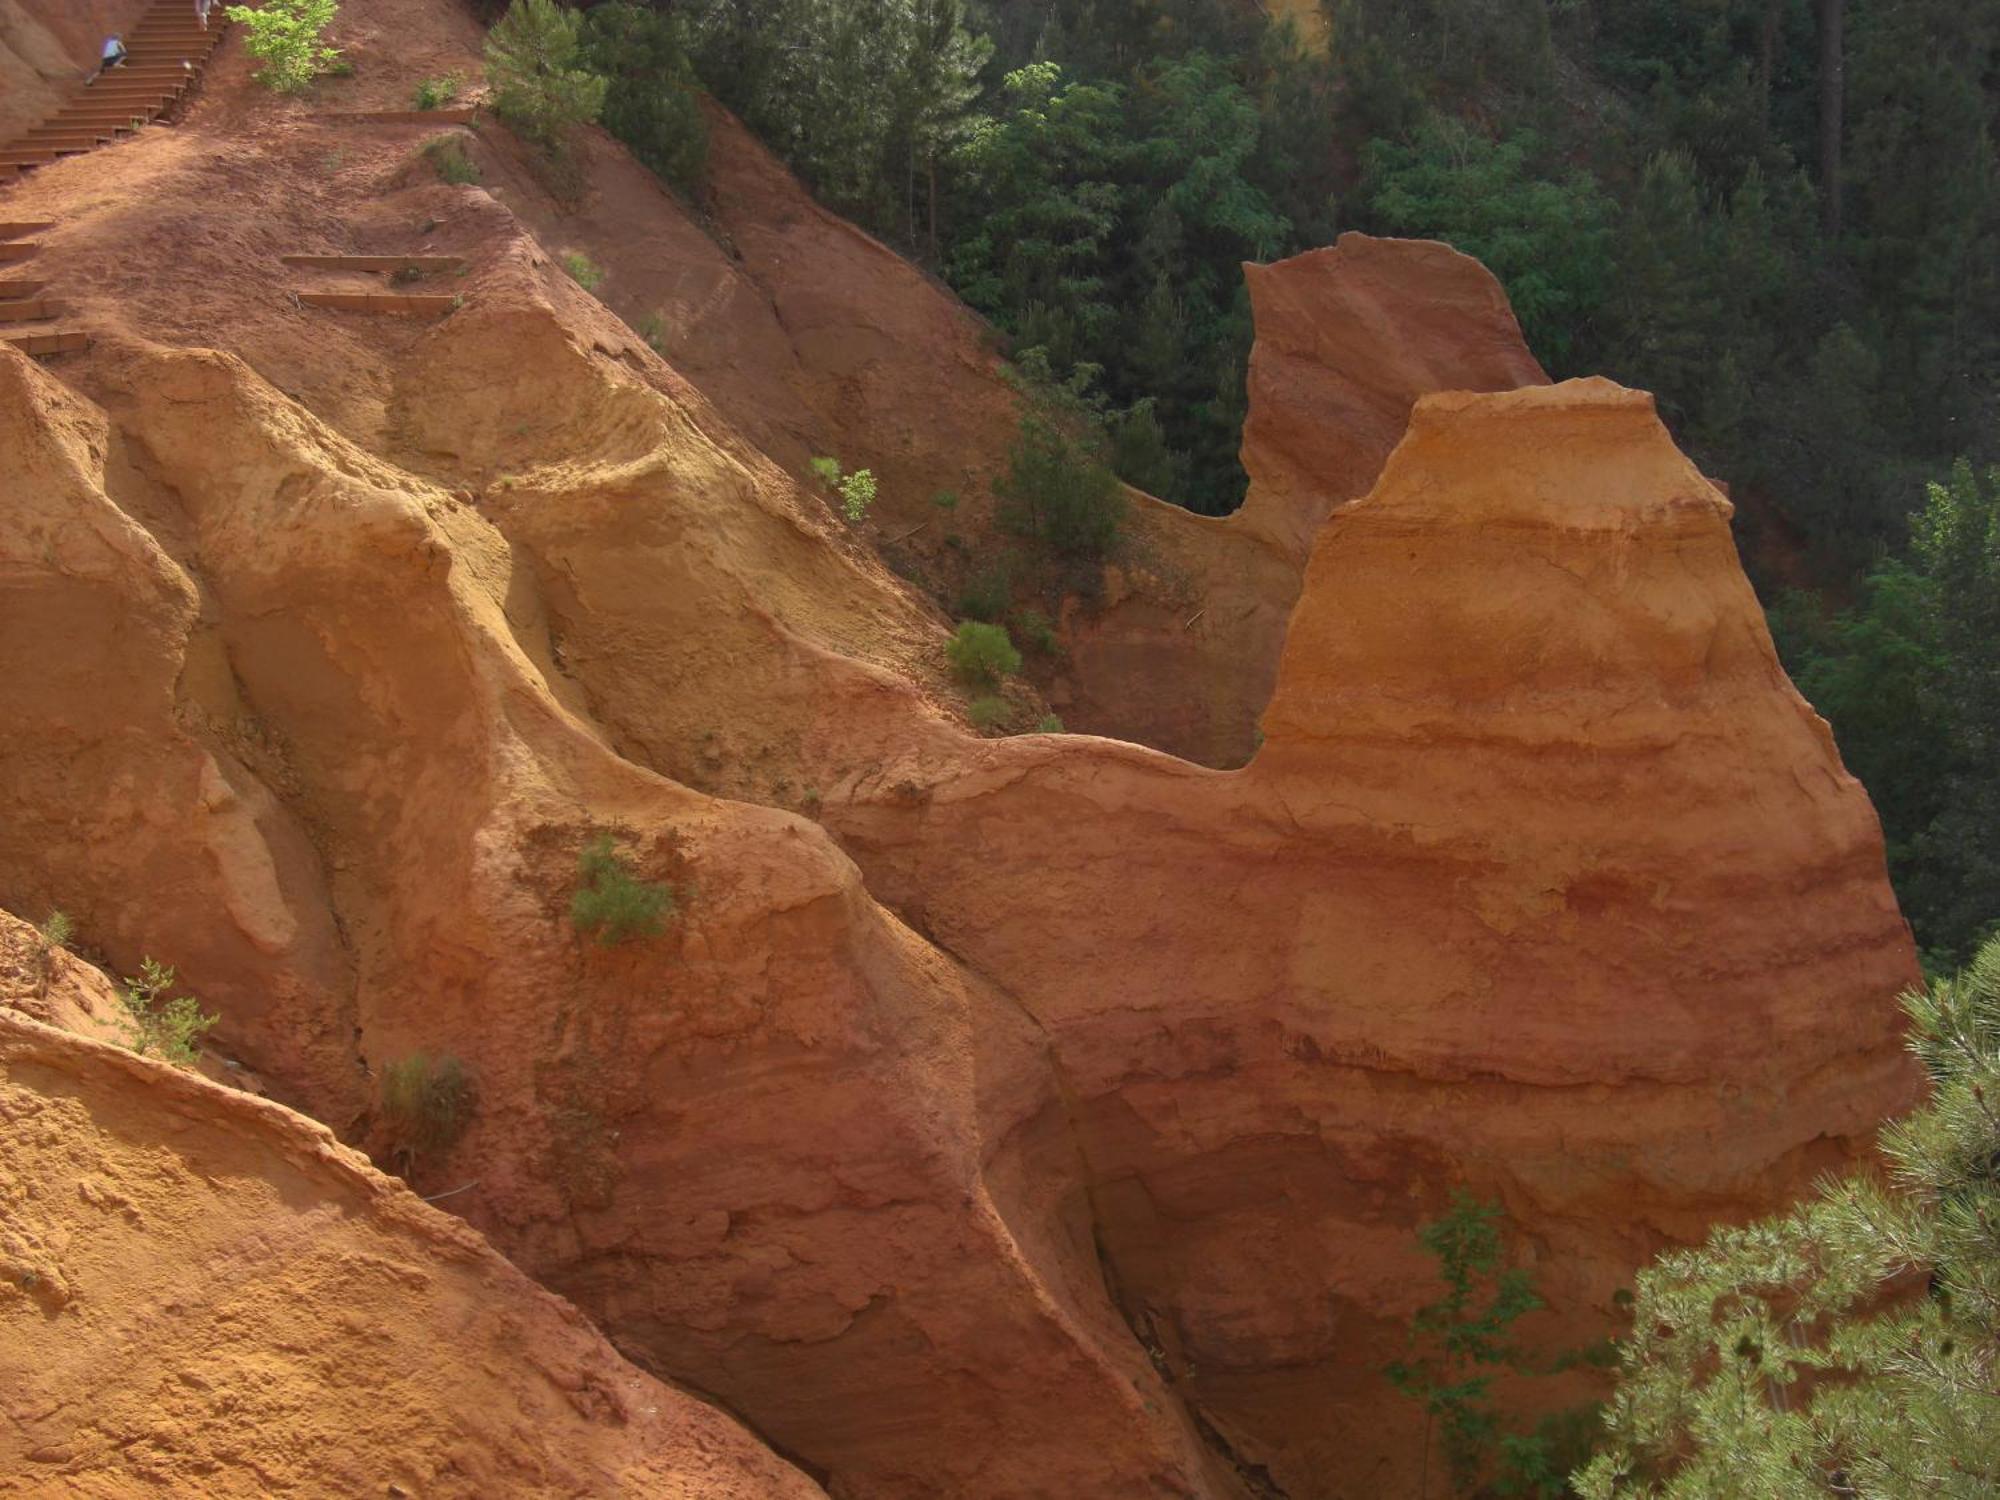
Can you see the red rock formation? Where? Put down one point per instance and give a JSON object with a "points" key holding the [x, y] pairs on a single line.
{"points": [[790, 1143], [1545, 881], [203, 1293], [1181, 653], [328, 646]]}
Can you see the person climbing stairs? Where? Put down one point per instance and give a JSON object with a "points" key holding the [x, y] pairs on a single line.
{"points": [[165, 54]]}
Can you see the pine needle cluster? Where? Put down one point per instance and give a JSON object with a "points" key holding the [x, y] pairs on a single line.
{"points": [[1852, 1346]]}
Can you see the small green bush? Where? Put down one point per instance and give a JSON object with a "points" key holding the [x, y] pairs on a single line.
{"points": [[1050, 724], [1058, 488], [653, 329], [982, 654], [446, 154], [987, 593], [427, 1103], [1036, 631], [284, 35], [541, 85], [612, 902], [583, 270], [172, 1028], [57, 929], [945, 500], [856, 491], [436, 93], [988, 712]]}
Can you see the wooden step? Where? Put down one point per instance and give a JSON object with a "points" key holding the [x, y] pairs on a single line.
{"points": [[14, 291], [31, 156], [149, 48], [18, 229], [66, 140], [380, 302], [138, 91], [425, 263], [60, 342], [17, 250], [127, 120], [30, 310], [112, 106]]}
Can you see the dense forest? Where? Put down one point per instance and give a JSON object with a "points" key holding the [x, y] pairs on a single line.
{"points": [[1780, 216]]}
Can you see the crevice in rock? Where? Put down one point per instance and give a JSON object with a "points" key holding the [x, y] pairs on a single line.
{"points": [[1255, 1479]]}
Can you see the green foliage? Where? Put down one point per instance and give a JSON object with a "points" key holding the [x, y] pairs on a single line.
{"points": [[865, 98], [446, 154], [1103, 224], [1910, 680], [1049, 724], [981, 654], [584, 271], [427, 1103], [1036, 631], [855, 491], [1796, 1356], [611, 901], [57, 929], [436, 93], [651, 99], [173, 1027], [285, 36], [986, 594], [535, 63], [988, 712], [1460, 1342], [1058, 489], [653, 329], [1547, 240]]}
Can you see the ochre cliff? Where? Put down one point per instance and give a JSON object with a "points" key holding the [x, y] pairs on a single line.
{"points": [[1180, 651], [995, 1118], [1544, 880], [202, 1293]]}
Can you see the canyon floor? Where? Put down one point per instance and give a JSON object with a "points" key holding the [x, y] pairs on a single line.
{"points": [[997, 1115]]}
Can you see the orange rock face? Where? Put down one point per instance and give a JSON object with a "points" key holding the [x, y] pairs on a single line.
{"points": [[201, 1293], [1182, 651], [1032, 1117], [1544, 881], [789, 1143]]}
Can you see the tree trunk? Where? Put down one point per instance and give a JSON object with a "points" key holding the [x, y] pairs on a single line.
{"points": [[932, 202], [1832, 89], [1767, 54]]}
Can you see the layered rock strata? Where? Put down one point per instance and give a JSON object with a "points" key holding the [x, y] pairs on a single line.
{"points": [[202, 1293]]}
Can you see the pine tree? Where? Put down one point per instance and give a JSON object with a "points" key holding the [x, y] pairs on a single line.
{"points": [[1848, 1347], [534, 62]]}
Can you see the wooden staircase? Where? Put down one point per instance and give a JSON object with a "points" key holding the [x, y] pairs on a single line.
{"points": [[165, 55], [29, 316]]}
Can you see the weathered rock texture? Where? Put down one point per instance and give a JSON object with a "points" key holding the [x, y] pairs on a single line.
{"points": [[1545, 880], [1036, 1117], [202, 1293], [1181, 651]]}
